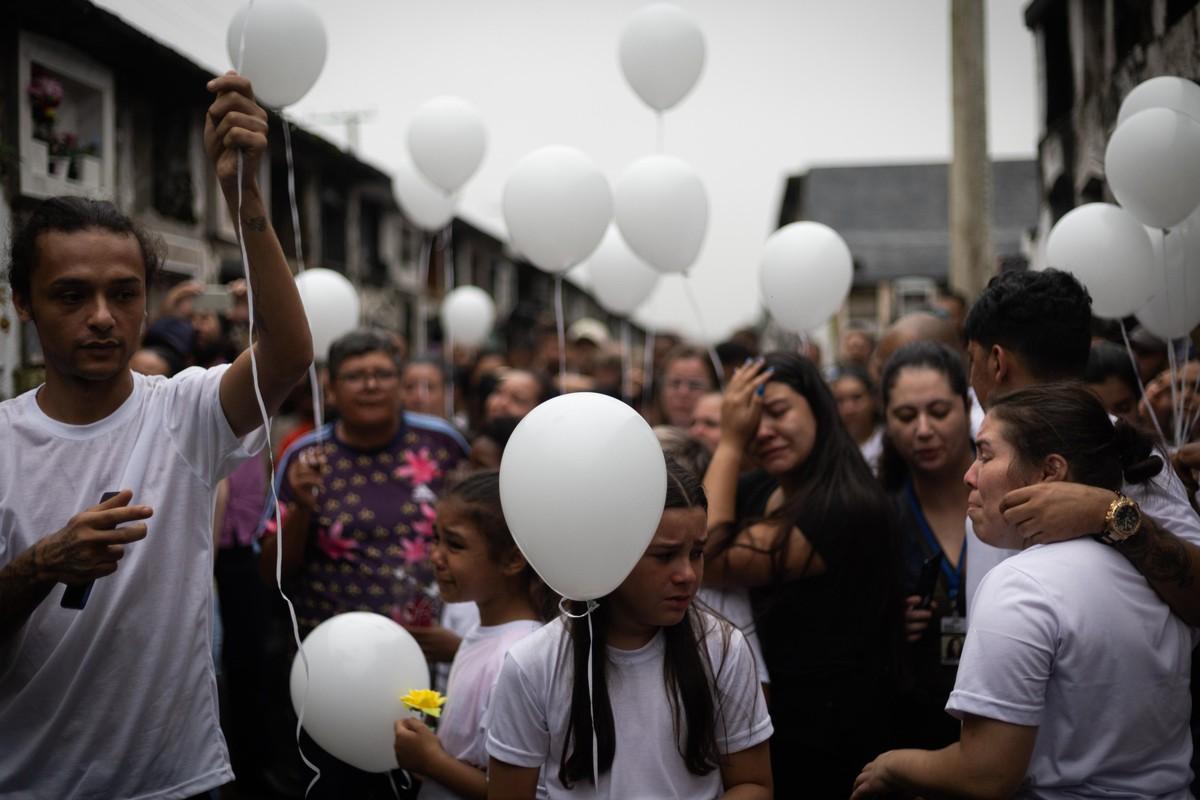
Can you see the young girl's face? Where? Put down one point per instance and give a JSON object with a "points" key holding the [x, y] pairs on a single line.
{"points": [[463, 566], [663, 583]]}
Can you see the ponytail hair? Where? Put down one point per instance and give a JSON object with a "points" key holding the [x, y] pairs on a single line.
{"points": [[479, 498], [687, 674], [1067, 419]]}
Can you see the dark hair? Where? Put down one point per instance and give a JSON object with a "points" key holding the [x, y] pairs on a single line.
{"points": [[478, 496], [1107, 360], [845, 515], [1067, 419], [839, 506], [427, 361], [893, 471], [732, 352], [359, 343], [848, 370], [1043, 317], [499, 430], [687, 673], [68, 215], [684, 449]]}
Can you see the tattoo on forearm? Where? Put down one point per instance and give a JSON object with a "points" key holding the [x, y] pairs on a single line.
{"points": [[1160, 556], [258, 224]]}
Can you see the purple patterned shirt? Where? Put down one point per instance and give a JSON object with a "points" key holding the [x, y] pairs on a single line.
{"points": [[368, 547]]}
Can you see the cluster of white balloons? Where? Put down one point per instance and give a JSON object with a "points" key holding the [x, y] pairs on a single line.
{"points": [[1143, 257]]}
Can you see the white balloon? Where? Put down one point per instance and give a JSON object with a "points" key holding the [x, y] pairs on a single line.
{"points": [[662, 54], [359, 666], [1109, 252], [583, 482], [620, 280], [556, 205], [806, 274], [331, 304], [425, 205], [285, 48], [467, 315], [1174, 307], [1166, 91], [661, 208], [1152, 164], [446, 140]]}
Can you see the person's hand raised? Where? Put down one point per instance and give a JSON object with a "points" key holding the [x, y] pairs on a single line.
{"points": [[304, 478], [741, 407], [235, 124]]}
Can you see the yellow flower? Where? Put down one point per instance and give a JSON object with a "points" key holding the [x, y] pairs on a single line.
{"points": [[426, 701]]}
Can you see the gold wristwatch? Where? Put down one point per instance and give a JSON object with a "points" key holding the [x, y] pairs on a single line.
{"points": [[1122, 521]]}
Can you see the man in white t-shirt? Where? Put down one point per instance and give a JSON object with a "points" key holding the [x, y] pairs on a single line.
{"points": [[112, 694], [1031, 327]]}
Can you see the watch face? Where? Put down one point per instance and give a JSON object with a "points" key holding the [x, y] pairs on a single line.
{"points": [[1126, 518]]}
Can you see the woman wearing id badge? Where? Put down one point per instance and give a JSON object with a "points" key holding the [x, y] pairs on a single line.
{"points": [[1074, 679], [926, 451]]}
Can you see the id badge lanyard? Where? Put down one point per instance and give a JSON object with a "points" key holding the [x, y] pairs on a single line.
{"points": [[953, 624]]}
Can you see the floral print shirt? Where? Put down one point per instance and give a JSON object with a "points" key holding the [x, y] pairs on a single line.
{"points": [[368, 547]]}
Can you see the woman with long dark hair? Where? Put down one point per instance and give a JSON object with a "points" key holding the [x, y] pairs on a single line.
{"points": [[926, 451], [1074, 679], [818, 559], [673, 707]]}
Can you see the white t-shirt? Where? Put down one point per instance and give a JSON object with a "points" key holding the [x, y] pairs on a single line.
{"points": [[733, 603], [1163, 499], [1070, 638], [872, 449], [532, 705], [117, 700], [460, 618], [463, 726]]}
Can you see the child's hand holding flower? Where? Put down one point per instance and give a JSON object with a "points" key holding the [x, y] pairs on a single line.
{"points": [[425, 701], [417, 746]]}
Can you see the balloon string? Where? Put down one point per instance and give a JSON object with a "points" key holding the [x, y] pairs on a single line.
{"points": [[626, 362], [562, 337], [589, 607], [448, 354], [1142, 386], [712, 351], [314, 380], [1172, 362], [262, 407], [648, 371]]}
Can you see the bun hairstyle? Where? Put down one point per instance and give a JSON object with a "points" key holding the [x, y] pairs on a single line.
{"points": [[1067, 419]]}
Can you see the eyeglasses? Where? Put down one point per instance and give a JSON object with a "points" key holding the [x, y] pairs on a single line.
{"points": [[380, 376], [677, 384]]}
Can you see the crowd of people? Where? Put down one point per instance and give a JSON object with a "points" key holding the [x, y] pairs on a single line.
{"points": [[957, 561]]}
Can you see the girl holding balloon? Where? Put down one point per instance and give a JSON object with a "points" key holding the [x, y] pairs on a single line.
{"points": [[677, 707], [474, 560], [817, 558]]}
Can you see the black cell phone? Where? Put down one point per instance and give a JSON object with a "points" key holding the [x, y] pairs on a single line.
{"points": [[927, 582], [76, 597]]}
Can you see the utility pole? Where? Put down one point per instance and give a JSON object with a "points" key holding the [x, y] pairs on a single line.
{"points": [[971, 259], [351, 119]]}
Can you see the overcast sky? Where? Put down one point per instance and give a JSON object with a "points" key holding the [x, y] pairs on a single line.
{"points": [[787, 85]]}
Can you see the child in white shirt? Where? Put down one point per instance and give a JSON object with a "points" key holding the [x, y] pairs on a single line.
{"points": [[474, 559], [678, 706]]}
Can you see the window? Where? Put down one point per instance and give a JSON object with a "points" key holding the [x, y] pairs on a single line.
{"points": [[65, 121]]}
